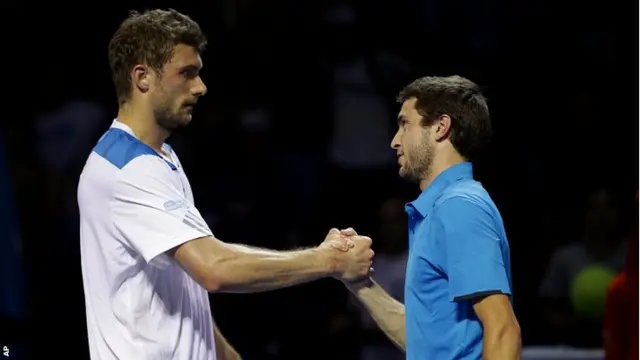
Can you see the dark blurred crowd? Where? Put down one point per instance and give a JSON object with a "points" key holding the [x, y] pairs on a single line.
{"points": [[293, 138]]}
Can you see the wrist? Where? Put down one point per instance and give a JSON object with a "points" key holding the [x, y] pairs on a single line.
{"points": [[356, 286], [329, 261]]}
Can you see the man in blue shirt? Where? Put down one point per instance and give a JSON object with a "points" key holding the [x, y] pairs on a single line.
{"points": [[458, 281]]}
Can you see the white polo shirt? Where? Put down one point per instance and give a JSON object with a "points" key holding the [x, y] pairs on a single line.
{"points": [[135, 205]]}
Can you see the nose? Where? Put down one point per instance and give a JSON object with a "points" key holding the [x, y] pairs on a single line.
{"points": [[395, 142], [200, 89]]}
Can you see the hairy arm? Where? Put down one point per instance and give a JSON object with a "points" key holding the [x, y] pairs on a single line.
{"points": [[501, 330], [387, 312], [224, 350], [153, 217], [221, 267]]}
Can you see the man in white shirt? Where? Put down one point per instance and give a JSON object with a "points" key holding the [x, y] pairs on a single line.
{"points": [[148, 257]]}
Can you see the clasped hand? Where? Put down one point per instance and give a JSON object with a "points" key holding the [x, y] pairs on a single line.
{"points": [[353, 254]]}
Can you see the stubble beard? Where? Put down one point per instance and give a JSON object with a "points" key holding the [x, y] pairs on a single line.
{"points": [[165, 116], [418, 163]]}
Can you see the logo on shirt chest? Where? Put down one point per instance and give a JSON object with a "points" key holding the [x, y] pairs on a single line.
{"points": [[173, 205]]}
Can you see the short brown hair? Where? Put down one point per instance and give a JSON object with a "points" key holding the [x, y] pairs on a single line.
{"points": [[460, 99], [149, 38]]}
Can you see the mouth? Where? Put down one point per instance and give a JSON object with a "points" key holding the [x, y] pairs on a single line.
{"points": [[189, 104], [187, 110]]}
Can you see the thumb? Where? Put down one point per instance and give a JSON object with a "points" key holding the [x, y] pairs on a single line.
{"points": [[334, 231], [348, 232], [339, 245]]}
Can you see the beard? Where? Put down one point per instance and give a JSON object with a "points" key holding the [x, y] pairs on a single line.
{"points": [[169, 117], [168, 120], [418, 162]]}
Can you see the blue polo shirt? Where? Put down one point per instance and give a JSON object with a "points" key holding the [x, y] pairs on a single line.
{"points": [[458, 250]]}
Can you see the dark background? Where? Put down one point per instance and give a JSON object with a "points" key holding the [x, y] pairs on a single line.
{"points": [[561, 79]]}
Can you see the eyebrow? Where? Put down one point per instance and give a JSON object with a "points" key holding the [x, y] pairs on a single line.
{"points": [[190, 68]]}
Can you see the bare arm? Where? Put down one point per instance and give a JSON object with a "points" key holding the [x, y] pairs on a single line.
{"points": [[501, 329], [387, 312], [224, 350], [221, 267]]}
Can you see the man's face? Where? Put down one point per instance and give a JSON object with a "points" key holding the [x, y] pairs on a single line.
{"points": [[178, 88], [413, 143]]}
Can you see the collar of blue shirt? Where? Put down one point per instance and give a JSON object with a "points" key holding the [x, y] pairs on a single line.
{"points": [[427, 198]]}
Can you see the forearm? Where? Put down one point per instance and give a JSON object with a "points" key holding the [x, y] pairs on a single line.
{"points": [[387, 312], [224, 350], [247, 270], [502, 343]]}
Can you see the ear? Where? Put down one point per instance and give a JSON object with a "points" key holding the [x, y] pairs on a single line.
{"points": [[442, 127], [141, 78]]}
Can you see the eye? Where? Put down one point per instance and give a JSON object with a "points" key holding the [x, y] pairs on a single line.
{"points": [[190, 72]]}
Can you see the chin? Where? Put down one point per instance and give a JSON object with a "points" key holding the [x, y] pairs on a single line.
{"points": [[182, 121], [174, 123], [408, 176]]}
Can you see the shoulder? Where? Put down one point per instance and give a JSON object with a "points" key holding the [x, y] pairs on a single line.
{"points": [[119, 157], [464, 197], [146, 170], [147, 181], [124, 151], [467, 209], [132, 159], [145, 176]]}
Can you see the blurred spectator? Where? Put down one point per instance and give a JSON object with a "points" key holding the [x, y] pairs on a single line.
{"points": [[364, 81], [390, 243], [362, 115], [600, 246], [64, 138], [66, 133], [244, 186], [621, 309]]}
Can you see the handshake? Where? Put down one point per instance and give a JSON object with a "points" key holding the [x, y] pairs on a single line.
{"points": [[348, 254]]}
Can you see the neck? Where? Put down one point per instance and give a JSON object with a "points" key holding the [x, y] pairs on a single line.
{"points": [[144, 125], [439, 165]]}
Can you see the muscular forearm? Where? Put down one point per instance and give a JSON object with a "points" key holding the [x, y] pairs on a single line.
{"points": [[502, 343], [245, 269], [384, 309]]}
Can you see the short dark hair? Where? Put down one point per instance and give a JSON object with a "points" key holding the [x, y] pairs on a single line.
{"points": [[150, 38], [460, 99]]}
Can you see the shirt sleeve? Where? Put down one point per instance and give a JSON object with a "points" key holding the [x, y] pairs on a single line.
{"points": [[150, 210], [475, 263]]}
